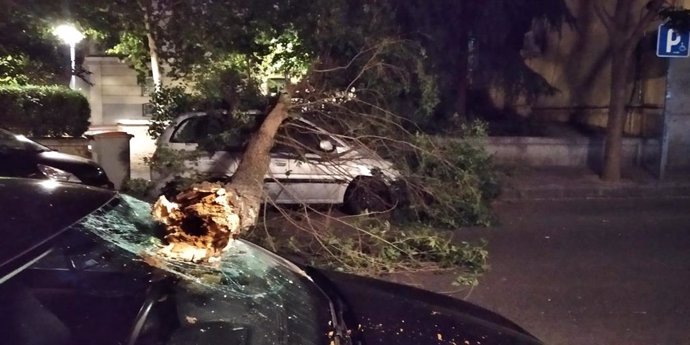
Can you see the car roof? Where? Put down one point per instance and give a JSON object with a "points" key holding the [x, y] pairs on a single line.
{"points": [[33, 212]]}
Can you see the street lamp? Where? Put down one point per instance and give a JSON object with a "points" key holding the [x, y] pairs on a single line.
{"points": [[71, 36]]}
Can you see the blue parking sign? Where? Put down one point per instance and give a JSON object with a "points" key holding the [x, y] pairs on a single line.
{"points": [[672, 43]]}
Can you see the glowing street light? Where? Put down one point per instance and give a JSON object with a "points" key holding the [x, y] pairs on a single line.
{"points": [[71, 36]]}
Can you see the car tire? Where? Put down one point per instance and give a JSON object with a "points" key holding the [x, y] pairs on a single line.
{"points": [[367, 194]]}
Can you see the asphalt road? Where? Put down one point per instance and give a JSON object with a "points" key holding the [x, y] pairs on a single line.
{"points": [[591, 271]]}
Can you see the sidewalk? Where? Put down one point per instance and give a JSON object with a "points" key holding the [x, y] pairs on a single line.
{"points": [[532, 183]]}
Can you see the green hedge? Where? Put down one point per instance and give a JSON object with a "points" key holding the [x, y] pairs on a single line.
{"points": [[42, 111]]}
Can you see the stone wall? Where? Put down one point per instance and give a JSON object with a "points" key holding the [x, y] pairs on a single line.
{"points": [[566, 152], [573, 152], [577, 62], [114, 93], [677, 126], [72, 146]]}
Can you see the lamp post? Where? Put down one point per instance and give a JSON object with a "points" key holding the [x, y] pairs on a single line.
{"points": [[71, 36]]}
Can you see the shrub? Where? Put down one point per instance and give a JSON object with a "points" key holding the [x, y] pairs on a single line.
{"points": [[451, 181], [138, 188], [167, 102], [42, 111], [370, 246]]}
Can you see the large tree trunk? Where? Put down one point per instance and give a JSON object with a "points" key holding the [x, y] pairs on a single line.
{"points": [[203, 220], [153, 47], [462, 89], [462, 77], [248, 180], [463, 81], [624, 33], [155, 67], [620, 61]]}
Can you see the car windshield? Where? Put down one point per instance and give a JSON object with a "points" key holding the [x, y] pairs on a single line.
{"points": [[11, 141], [102, 283]]}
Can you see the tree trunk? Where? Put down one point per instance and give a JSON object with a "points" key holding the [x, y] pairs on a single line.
{"points": [[624, 34], [153, 47], [461, 92], [620, 60], [462, 74], [463, 78], [248, 180], [202, 220], [155, 68]]}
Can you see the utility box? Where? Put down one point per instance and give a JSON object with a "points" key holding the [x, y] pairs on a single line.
{"points": [[111, 151]]}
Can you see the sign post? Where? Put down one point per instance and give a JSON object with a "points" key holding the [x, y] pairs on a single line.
{"points": [[672, 43]]}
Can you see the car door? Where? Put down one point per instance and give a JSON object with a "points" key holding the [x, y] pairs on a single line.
{"points": [[224, 160], [185, 140], [314, 174]]}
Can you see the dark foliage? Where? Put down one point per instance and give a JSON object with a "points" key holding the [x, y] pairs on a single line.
{"points": [[477, 45], [41, 111], [29, 52], [678, 18]]}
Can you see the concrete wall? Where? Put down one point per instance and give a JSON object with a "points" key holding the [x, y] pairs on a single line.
{"points": [[574, 152], [677, 126], [117, 102], [577, 62], [115, 92], [72, 146]]}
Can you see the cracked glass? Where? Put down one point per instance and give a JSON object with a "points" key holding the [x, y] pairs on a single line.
{"points": [[102, 283]]}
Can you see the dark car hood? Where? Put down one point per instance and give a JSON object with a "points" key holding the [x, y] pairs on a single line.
{"points": [[55, 156], [85, 169], [37, 211], [49, 156], [64, 161], [24, 164], [387, 313]]}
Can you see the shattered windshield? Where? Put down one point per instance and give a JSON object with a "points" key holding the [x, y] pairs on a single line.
{"points": [[104, 284]]}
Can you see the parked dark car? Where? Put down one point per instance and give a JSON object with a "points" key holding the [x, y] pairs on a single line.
{"points": [[22, 157], [78, 266]]}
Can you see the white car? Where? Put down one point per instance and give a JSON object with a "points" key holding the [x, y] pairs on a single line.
{"points": [[308, 165]]}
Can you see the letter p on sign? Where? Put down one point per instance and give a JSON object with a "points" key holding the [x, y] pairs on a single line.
{"points": [[672, 40], [672, 43]]}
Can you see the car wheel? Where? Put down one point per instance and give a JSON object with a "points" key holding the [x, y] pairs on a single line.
{"points": [[367, 194]]}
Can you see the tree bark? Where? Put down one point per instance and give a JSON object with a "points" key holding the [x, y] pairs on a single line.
{"points": [[463, 88], [463, 77], [155, 67], [204, 219], [153, 47], [624, 33], [620, 61], [248, 180]]}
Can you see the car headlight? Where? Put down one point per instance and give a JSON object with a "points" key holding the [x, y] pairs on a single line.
{"points": [[57, 174]]}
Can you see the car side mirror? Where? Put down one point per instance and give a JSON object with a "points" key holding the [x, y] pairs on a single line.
{"points": [[326, 146]]}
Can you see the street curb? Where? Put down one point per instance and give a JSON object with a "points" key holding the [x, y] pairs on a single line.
{"points": [[553, 192]]}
